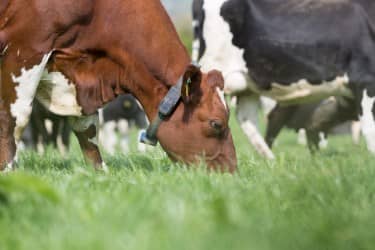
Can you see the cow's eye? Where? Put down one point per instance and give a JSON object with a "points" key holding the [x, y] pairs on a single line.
{"points": [[217, 126]]}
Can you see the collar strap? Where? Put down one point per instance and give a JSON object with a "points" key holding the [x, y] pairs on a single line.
{"points": [[166, 109]]}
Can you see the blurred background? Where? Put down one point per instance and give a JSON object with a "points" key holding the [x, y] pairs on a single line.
{"points": [[180, 11]]}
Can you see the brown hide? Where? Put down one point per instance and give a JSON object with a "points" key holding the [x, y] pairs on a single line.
{"points": [[107, 48]]}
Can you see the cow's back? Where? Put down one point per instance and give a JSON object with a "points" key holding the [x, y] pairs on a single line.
{"points": [[310, 38]]}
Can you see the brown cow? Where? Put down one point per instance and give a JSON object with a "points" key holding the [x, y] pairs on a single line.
{"points": [[75, 56]]}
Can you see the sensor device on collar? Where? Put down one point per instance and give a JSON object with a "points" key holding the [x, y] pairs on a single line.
{"points": [[166, 108]]}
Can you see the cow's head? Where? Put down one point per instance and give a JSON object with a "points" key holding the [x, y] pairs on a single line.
{"points": [[198, 128]]}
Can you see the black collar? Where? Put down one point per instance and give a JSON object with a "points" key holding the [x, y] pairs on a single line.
{"points": [[166, 109]]}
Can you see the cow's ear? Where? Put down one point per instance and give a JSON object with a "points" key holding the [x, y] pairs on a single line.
{"points": [[191, 85], [215, 79]]}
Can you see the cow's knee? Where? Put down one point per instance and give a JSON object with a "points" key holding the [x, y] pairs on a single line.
{"points": [[367, 120], [86, 130]]}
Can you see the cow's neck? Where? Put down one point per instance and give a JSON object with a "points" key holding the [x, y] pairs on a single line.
{"points": [[144, 85], [146, 46]]}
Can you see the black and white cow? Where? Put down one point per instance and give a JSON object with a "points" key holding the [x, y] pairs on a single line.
{"points": [[310, 120], [291, 51]]}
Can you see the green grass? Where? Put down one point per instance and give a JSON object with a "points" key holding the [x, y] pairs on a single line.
{"points": [[146, 202]]}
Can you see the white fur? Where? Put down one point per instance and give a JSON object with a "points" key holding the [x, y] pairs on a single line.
{"points": [[105, 167], [323, 142], [25, 90], [303, 91], [222, 97], [123, 129], [58, 95], [356, 132], [220, 52], [302, 137], [108, 138], [196, 46], [367, 120], [9, 168]]}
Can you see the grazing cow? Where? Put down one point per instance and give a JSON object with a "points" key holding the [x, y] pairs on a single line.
{"points": [[117, 117], [310, 117], [291, 51], [76, 56]]}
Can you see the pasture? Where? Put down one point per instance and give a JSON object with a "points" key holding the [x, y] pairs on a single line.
{"points": [[146, 202]]}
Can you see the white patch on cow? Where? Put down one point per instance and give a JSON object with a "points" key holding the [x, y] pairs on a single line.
{"points": [[247, 116], [105, 167], [83, 123], [303, 91], [25, 90], [49, 125], [323, 142], [356, 132], [302, 137], [268, 104], [195, 23], [9, 168], [196, 44], [108, 138], [221, 53], [222, 97], [123, 129], [58, 95], [367, 120], [195, 53]]}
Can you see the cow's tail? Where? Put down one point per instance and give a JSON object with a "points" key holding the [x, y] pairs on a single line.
{"points": [[196, 42], [198, 17]]}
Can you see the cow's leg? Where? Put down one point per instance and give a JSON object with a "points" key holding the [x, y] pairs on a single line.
{"points": [[65, 134], [108, 137], [277, 119], [247, 115], [123, 129], [7, 143], [356, 132], [367, 120], [86, 130]]}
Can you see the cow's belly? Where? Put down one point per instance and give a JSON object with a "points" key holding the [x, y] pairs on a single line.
{"points": [[304, 92], [58, 95]]}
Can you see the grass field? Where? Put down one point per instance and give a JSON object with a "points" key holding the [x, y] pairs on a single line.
{"points": [[146, 202]]}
